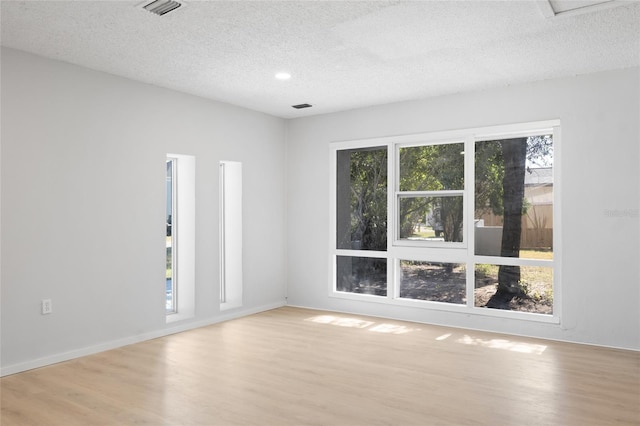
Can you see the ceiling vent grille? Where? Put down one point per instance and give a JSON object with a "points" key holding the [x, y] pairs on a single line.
{"points": [[161, 7]]}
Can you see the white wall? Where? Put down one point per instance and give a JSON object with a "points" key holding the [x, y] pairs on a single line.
{"points": [[83, 200], [82, 207], [599, 116]]}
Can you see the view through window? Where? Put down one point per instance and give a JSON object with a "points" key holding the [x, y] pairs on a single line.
{"points": [[461, 221], [170, 276]]}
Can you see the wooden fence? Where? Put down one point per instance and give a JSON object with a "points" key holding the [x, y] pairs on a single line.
{"points": [[537, 226]]}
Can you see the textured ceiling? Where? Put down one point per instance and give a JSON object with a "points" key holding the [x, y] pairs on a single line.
{"points": [[341, 54]]}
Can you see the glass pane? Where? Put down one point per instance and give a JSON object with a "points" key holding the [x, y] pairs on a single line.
{"points": [[361, 215], [365, 275], [169, 279], [515, 288], [514, 197], [432, 167], [438, 282], [431, 218]]}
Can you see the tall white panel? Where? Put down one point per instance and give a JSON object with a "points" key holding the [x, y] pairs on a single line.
{"points": [[230, 234]]}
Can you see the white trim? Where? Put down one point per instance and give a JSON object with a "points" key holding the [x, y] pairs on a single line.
{"points": [[459, 245], [174, 236], [428, 140], [513, 261], [446, 136], [470, 204], [90, 350], [333, 205], [444, 255], [393, 232], [443, 193], [361, 253], [222, 234], [514, 130], [360, 143], [231, 265], [557, 225], [449, 307]]}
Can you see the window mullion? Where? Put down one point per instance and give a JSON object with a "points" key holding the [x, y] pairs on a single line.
{"points": [[441, 193], [361, 253], [469, 186], [393, 179]]}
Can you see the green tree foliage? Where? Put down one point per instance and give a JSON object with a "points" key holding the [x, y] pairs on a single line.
{"points": [[489, 170], [432, 168], [489, 173], [500, 167], [362, 218], [500, 174], [368, 186]]}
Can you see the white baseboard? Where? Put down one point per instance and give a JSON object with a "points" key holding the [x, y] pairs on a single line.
{"points": [[77, 353]]}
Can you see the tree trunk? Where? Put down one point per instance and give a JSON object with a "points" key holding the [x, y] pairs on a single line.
{"points": [[514, 154]]}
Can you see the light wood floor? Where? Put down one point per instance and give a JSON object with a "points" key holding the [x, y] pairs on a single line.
{"points": [[301, 367]]}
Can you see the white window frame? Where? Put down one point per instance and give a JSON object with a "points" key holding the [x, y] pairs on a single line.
{"points": [[230, 228], [184, 245], [397, 242], [174, 237], [449, 252]]}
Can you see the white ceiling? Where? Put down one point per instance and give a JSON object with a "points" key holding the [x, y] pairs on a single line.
{"points": [[341, 54]]}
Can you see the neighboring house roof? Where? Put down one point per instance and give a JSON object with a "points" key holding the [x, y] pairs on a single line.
{"points": [[538, 176]]}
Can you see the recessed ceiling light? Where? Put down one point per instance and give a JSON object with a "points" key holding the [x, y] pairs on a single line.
{"points": [[283, 76]]}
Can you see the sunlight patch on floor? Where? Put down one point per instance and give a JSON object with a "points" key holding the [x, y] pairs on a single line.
{"points": [[508, 345], [361, 324], [340, 321], [392, 329]]}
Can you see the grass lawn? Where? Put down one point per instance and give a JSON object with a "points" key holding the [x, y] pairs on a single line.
{"points": [[537, 281]]}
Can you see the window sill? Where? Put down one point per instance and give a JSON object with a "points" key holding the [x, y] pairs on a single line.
{"points": [[449, 307]]}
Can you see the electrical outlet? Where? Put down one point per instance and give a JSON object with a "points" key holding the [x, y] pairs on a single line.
{"points": [[47, 307]]}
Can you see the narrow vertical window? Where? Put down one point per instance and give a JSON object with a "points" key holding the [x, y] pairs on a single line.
{"points": [[171, 219], [230, 234], [180, 237]]}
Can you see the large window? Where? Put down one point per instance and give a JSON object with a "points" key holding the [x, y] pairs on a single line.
{"points": [[456, 221]]}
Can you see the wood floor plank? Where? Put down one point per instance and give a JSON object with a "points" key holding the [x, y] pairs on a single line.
{"points": [[294, 366]]}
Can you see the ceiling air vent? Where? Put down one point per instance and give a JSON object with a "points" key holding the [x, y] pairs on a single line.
{"points": [[161, 7], [300, 106]]}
